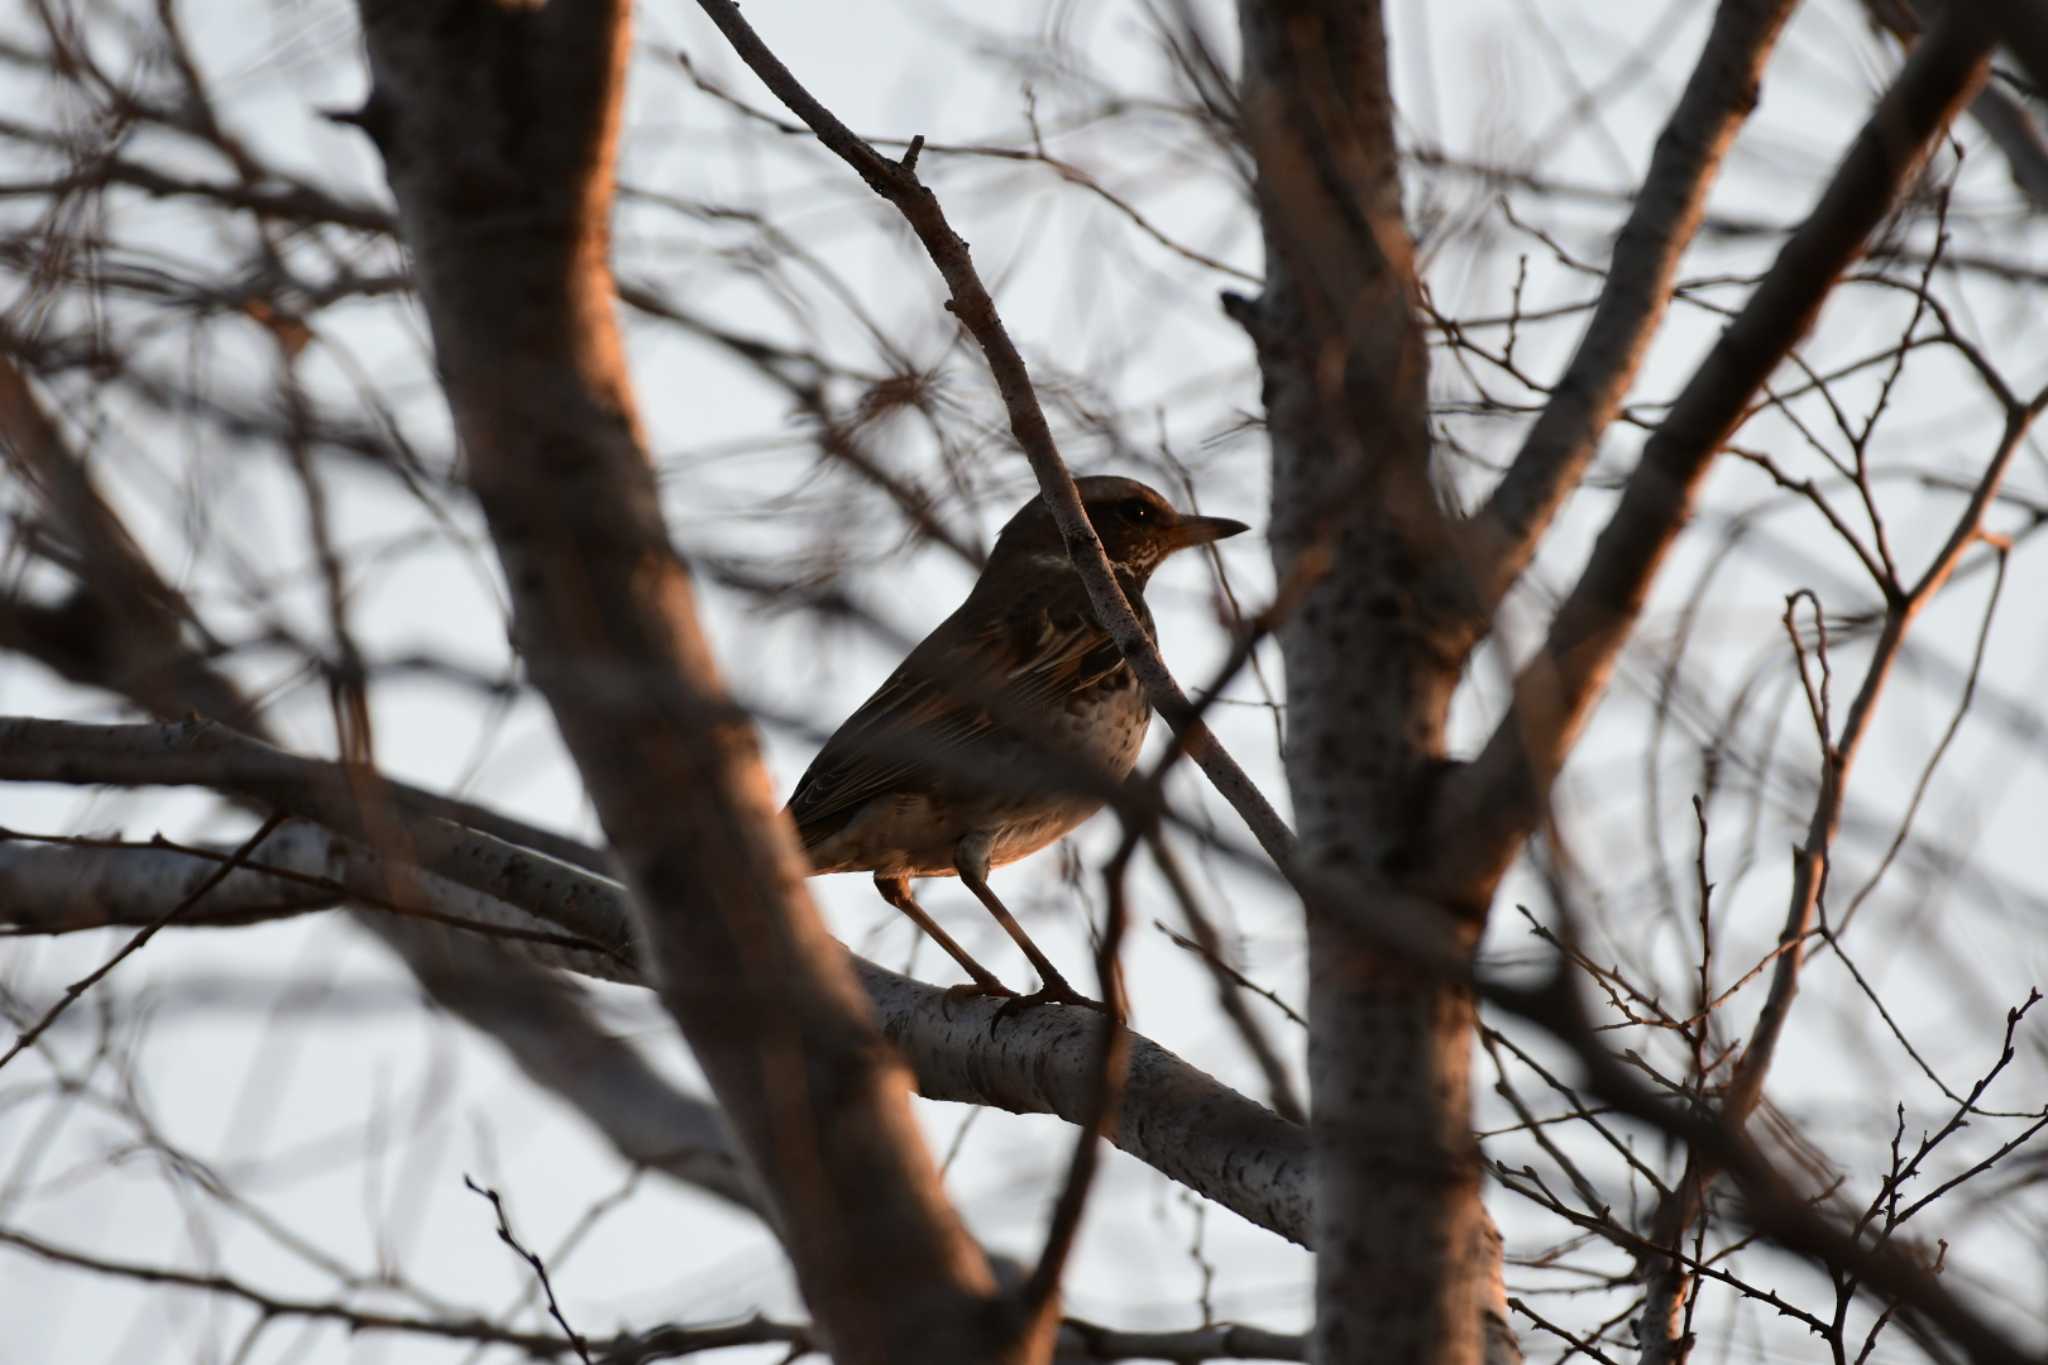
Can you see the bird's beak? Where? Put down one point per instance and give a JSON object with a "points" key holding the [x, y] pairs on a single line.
{"points": [[1201, 530]]}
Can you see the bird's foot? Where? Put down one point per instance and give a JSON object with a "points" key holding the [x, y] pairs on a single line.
{"points": [[1055, 991]]}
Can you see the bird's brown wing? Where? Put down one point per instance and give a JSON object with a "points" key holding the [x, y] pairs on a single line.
{"points": [[913, 732]]}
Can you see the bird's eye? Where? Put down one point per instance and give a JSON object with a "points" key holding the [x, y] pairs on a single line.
{"points": [[1137, 509]]}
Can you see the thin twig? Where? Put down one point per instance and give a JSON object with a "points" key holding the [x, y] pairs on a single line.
{"points": [[1112, 1067], [540, 1270], [79, 987]]}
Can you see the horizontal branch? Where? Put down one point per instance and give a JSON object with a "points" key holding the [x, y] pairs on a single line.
{"points": [[1078, 1340], [201, 753], [1177, 1119], [71, 885]]}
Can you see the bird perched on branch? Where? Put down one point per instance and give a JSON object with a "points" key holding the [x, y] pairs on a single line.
{"points": [[1008, 726]]}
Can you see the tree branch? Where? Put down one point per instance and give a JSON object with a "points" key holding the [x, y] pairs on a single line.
{"points": [[1681, 1205], [2023, 24], [1404, 1270], [1176, 1118], [104, 638], [1717, 101], [499, 129], [1078, 1340], [897, 182], [1488, 808]]}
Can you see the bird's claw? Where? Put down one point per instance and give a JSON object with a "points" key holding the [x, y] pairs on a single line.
{"points": [[1054, 992]]}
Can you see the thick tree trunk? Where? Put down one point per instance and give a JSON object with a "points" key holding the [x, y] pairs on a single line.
{"points": [[498, 126], [1373, 654]]}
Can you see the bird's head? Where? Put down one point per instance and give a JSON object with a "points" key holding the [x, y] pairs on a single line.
{"points": [[1137, 526]]}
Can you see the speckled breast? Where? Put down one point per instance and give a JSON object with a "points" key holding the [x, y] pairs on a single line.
{"points": [[1103, 726]]}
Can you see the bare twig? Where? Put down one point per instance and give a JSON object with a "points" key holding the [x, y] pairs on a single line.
{"points": [[540, 1270], [1487, 809], [72, 992], [1667, 212], [669, 1341], [1106, 1096]]}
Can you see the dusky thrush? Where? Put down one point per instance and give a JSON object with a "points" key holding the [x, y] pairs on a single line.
{"points": [[975, 752]]}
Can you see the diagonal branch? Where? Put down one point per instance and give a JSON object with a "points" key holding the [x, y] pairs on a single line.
{"points": [[499, 129], [1489, 807], [1774, 1206], [1175, 1118], [897, 182], [105, 638], [2005, 119], [2023, 24], [1717, 100], [72, 992], [125, 601]]}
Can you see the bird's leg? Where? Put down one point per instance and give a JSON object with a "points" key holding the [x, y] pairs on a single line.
{"points": [[896, 891], [970, 860]]}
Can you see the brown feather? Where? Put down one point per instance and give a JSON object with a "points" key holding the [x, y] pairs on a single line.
{"points": [[915, 733]]}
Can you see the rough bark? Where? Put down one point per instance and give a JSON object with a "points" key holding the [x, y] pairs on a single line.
{"points": [[498, 125], [1372, 652]]}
